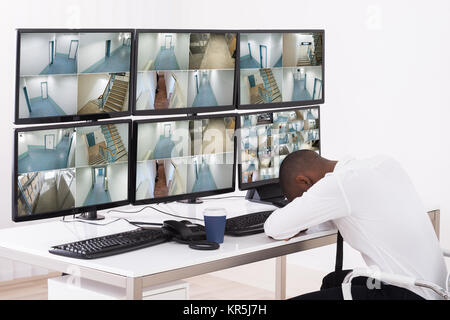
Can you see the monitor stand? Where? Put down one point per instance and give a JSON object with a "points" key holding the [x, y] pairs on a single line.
{"points": [[191, 201], [90, 215], [269, 194]]}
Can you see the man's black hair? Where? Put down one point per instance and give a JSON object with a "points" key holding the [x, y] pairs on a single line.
{"points": [[298, 162]]}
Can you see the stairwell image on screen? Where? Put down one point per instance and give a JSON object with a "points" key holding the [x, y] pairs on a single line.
{"points": [[103, 93], [98, 145], [259, 86]]}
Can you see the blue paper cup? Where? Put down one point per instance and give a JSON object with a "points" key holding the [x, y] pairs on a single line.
{"points": [[215, 219]]}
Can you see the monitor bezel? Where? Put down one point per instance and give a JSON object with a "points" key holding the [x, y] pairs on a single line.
{"points": [[75, 210], [283, 104], [192, 195], [68, 118], [247, 186], [187, 110]]}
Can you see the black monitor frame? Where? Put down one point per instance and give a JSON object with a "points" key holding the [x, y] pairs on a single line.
{"points": [[67, 118], [187, 196], [76, 210], [187, 110], [263, 183], [285, 103]]}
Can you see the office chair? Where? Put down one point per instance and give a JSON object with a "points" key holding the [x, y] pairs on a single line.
{"points": [[394, 279]]}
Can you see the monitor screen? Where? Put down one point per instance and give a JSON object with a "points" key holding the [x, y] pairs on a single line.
{"points": [[61, 170], [266, 138], [283, 68], [67, 75], [184, 158], [185, 72]]}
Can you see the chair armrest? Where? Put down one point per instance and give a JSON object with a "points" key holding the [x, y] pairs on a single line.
{"points": [[446, 252], [392, 279]]}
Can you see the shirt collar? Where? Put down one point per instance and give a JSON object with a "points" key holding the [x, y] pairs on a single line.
{"points": [[342, 162]]}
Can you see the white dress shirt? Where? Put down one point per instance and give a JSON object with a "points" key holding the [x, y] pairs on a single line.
{"points": [[374, 205]]}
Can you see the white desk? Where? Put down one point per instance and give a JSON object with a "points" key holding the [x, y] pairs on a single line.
{"points": [[158, 264]]}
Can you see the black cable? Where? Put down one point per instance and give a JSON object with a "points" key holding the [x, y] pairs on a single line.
{"points": [[93, 223], [120, 211], [134, 223], [174, 215], [218, 198], [161, 211]]}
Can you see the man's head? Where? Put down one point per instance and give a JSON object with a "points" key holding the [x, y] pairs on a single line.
{"points": [[300, 170]]}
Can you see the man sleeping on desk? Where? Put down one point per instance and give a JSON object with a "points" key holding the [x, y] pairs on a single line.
{"points": [[375, 207]]}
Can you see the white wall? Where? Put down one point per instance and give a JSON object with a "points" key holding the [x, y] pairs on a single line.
{"points": [[243, 45], [83, 179], [92, 48], [144, 143], [23, 107], [145, 90], [311, 74], [289, 49], [182, 50], [182, 79], [90, 86], [145, 179], [34, 52], [148, 49], [118, 181], [288, 83], [63, 90], [63, 42], [222, 172], [278, 75], [245, 85], [222, 82], [122, 128], [71, 157]]}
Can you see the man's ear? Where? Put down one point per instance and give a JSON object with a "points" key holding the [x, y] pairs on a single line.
{"points": [[304, 181]]}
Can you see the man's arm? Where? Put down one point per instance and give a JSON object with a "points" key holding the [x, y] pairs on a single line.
{"points": [[322, 202]]}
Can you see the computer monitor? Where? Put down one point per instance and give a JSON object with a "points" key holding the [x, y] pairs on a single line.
{"points": [[68, 169], [280, 68], [71, 75], [265, 139], [185, 71], [183, 158]]}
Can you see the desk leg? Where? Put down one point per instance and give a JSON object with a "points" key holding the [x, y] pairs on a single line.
{"points": [[280, 278], [134, 289]]}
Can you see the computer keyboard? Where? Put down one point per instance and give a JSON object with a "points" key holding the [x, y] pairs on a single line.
{"points": [[111, 244], [248, 224]]}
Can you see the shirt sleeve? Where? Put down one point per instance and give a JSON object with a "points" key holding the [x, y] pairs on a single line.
{"points": [[323, 202]]}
